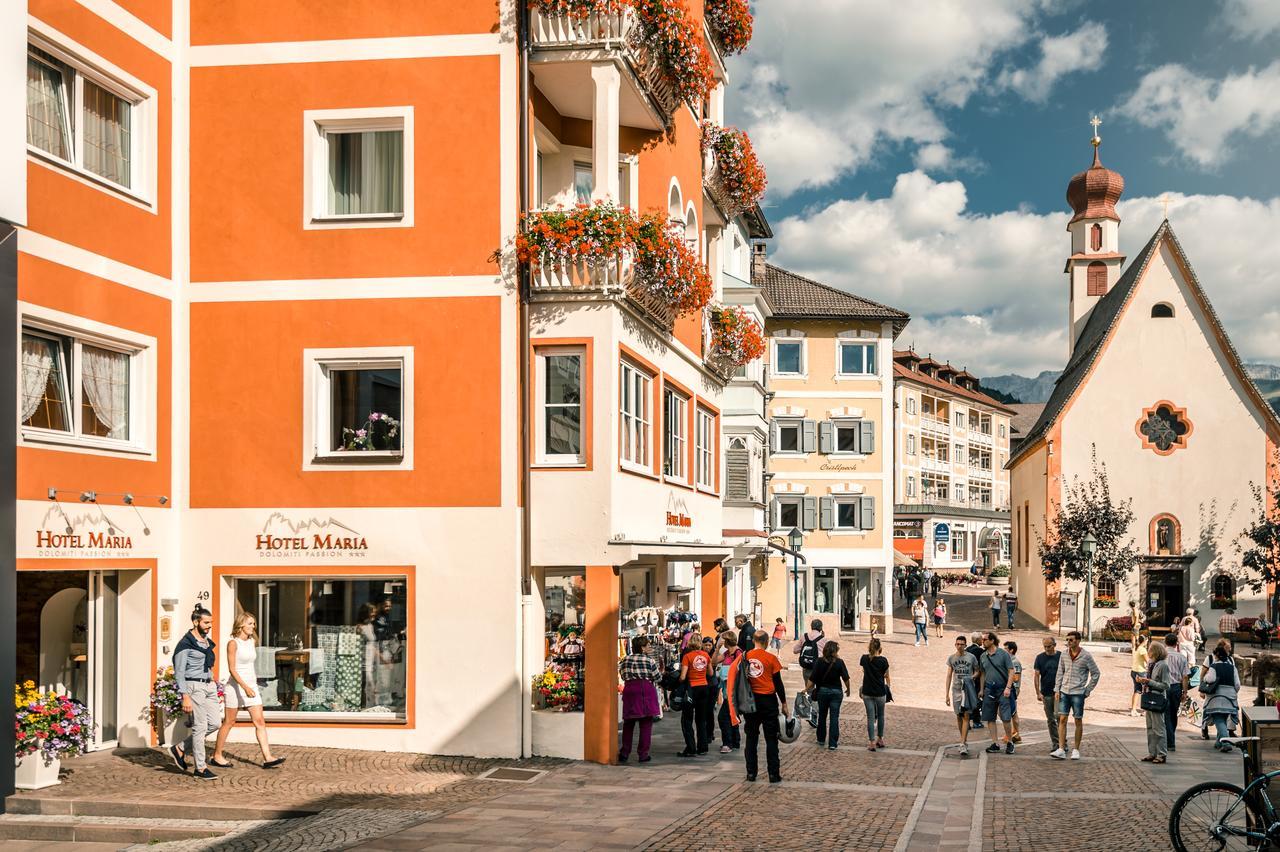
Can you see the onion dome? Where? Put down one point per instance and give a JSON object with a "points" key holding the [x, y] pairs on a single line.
{"points": [[1093, 193]]}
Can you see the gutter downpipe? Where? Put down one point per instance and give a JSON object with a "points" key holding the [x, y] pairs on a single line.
{"points": [[526, 524]]}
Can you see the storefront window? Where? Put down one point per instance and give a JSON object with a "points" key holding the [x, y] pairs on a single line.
{"points": [[329, 644], [824, 590], [559, 686], [635, 593]]}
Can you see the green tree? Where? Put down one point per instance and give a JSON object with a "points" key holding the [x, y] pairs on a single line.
{"points": [[1259, 544], [1089, 508]]}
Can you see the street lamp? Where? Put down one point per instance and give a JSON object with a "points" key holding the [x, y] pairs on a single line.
{"points": [[1088, 547], [795, 538]]}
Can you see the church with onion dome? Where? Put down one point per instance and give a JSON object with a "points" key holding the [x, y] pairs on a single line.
{"points": [[1155, 389]]}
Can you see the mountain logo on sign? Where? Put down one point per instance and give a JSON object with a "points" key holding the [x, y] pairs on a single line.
{"points": [[678, 513], [89, 528]]}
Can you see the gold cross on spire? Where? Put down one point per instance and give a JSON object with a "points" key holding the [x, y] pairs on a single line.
{"points": [[1164, 200], [1095, 121]]}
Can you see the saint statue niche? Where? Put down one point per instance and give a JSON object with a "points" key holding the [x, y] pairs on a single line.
{"points": [[1164, 537]]}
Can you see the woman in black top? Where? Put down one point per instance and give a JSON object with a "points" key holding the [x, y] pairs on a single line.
{"points": [[874, 692], [828, 672]]}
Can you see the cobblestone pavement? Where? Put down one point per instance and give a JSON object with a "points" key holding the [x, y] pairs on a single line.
{"points": [[919, 794]]}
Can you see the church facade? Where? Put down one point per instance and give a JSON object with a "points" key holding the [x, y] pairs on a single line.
{"points": [[1154, 389]]}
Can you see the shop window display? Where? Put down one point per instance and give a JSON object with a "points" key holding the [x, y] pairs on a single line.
{"points": [[329, 644], [559, 685]]}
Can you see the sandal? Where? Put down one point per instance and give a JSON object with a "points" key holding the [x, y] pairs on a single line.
{"points": [[1148, 759], [226, 765], [1159, 760]]}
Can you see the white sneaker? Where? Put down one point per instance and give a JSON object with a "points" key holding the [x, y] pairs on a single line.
{"points": [[1058, 754], [917, 643], [1075, 754], [964, 749]]}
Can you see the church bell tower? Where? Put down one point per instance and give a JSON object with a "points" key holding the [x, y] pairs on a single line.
{"points": [[1095, 261]]}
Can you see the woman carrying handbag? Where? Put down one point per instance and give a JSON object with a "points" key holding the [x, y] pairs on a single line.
{"points": [[1155, 683]]}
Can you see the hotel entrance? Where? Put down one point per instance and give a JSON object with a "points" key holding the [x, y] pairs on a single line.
{"points": [[68, 640]]}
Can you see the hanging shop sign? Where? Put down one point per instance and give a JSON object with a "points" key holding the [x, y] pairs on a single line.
{"points": [[85, 531], [941, 533], [283, 535]]}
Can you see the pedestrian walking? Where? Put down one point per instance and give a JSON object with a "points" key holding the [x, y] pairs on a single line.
{"points": [[241, 690], [1228, 624], [920, 618], [1220, 685], [1179, 679], [1187, 637], [900, 580], [1137, 669], [694, 715], [1012, 648], [828, 675], [1136, 618], [975, 650], [935, 585], [758, 696], [729, 655], [1010, 605], [809, 649], [961, 691], [939, 616], [639, 674], [713, 688], [779, 632], [875, 693], [1155, 683], [1077, 677], [997, 687], [746, 632], [193, 667], [996, 605], [1044, 679]]}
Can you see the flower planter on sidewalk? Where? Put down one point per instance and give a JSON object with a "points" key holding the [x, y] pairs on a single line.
{"points": [[32, 773], [174, 730]]}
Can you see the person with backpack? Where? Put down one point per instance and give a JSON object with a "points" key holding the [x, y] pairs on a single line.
{"points": [[694, 667], [730, 734], [827, 677], [809, 649], [758, 694]]}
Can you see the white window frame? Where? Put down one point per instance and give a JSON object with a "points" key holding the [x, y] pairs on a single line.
{"points": [[541, 456], [911, 405], [959, 538], [704, 451], [790, 337], [141, 350], [796, 500], [796, 423], [317, 404], [839, 423], [632, 422], [911, 445], [840, 346], [911, 486], [316, 124], [679, 435], [142, 188], [846, 500]]}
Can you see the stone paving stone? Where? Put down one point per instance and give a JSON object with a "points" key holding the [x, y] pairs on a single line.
{"points": [[1066, 825]]}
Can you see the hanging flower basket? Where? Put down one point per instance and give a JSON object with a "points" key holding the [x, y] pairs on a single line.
{"points": [[580, 10], [585, 232], [669, 30], [735, 336], [737, 178], [730, 22]]}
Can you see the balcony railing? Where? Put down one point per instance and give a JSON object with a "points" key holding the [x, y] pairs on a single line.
{"points": [[933, 463], [935, 424], [714, 183], [978, 437], [933, 497], [616, 33], [607, 278]]}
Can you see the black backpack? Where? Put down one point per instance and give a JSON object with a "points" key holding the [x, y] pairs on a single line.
{"points": [[809, 652]]}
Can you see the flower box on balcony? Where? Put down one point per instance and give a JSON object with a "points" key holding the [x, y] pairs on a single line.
{"points": [[734, 337], [730, 23], [733, 175]]}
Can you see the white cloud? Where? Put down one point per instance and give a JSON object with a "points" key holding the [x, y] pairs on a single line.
{"points": [[937, 157], [1082, 50], [1200, 115], [1252, 19], [826, 81], [987, 291]]}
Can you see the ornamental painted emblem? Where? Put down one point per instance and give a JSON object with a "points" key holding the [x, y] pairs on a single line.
{"points": [[1164, 427]]}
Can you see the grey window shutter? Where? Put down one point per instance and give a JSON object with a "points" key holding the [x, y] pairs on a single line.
{"points": [[868, 513], [773, 437], [826, 442], [828, 513], [737, 472], [774, 513], [810, 509], [867, 436], [809, 438]]}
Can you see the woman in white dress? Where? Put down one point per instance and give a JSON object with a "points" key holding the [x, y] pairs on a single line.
{"points": [[242, 690]]}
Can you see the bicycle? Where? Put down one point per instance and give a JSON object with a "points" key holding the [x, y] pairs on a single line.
{"points": [[1219, 815]]}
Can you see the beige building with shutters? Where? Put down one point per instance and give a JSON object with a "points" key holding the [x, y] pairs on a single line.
{"points": [[831, 453]]}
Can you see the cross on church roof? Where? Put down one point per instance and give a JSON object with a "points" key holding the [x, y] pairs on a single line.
{"points": [[1095, 121], [1164, 200]]}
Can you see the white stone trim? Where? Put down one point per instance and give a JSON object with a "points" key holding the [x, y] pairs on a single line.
{"points": [[846, 411], [82, 260], [325, 289], [846, 488], [346, 50], [787, 411], [131, 25]]}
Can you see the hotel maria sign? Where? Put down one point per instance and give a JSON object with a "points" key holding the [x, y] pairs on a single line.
{"points": [[284, 536], [87, 532]]}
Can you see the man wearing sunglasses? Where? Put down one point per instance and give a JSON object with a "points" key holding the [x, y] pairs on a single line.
{"points": [[1078, 676]]}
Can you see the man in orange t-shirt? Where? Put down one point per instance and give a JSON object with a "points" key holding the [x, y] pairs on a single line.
{"points": [[764, 673], [695, 716]]}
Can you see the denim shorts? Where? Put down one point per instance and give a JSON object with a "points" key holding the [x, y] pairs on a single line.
{"points": [[1071, 705], [995, 703]]}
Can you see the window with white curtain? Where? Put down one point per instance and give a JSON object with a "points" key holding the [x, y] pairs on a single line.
{"points": [[76, 387], [83, 119], [361, 166]]}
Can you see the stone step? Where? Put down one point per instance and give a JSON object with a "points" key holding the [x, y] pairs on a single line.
{"points": [[106, 829], [28, 803]]}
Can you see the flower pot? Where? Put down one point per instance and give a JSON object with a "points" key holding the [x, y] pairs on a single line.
{"points": [[33, 774], [174, 730], [997, 581]]}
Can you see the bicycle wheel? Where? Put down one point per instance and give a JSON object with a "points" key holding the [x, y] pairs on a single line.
{"points": [[1199, 814]]}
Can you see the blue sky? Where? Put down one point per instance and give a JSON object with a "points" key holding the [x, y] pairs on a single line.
{"points": [[919, 150]]}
